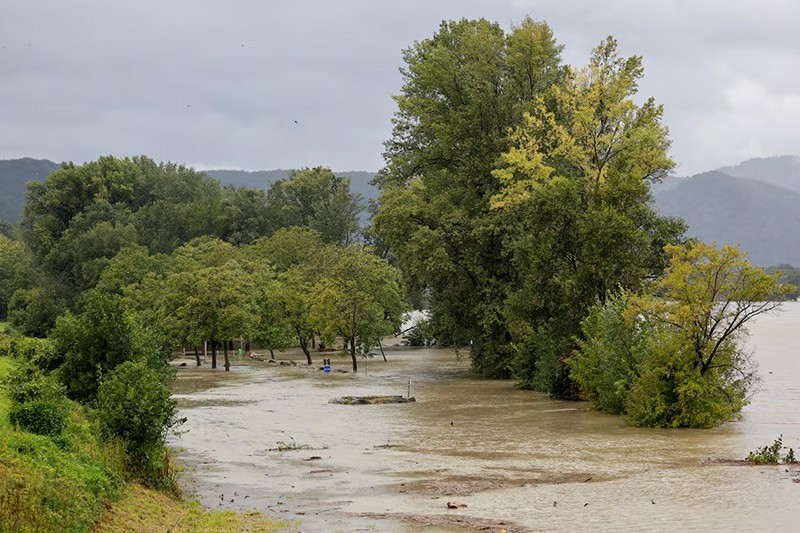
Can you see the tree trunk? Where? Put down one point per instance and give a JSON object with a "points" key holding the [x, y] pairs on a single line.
{"points": [[247, 347], [213, 353], [205, 350], [304, 346], [381, 347], [353, 354], [271, 354], [227, 361], [313, 341], [197, 355]]}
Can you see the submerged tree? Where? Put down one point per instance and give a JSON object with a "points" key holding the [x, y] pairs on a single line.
{"points": [[576, 186], [360, 298], [462, 90], [677, 358]]}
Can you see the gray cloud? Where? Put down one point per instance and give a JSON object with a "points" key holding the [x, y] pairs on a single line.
{"points": [[85, 78]]}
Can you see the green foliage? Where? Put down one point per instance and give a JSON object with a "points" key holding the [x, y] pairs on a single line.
{"points": [[16, 271], [676, 359], [771, 455], [610, 352], [28, 382], [519, 194], [134, 404], [57, 484], [33, 312], [103, 336], [42, 416], [422, 334], [359, 297], [462, 90], [317, 199]]}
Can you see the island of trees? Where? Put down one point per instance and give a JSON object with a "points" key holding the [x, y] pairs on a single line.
{"points": [[516, 206]]}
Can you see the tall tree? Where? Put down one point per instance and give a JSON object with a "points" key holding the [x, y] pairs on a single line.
{"points": [[463, 89], [576, 184]]}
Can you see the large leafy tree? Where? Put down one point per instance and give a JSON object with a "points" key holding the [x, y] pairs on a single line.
{"points": [[576, 182], [320, 200], [360, 298], [463, 89], [82, 215]]}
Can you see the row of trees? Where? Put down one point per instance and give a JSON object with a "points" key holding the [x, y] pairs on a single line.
{"points": [[81, 216]]}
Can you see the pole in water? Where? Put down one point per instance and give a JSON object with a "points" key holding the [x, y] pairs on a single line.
{"points": [[409, 389]]}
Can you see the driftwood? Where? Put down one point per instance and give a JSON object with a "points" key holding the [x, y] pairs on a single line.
{"points": [[371, 400]]}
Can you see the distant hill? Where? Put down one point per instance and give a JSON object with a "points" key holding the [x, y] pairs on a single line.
{"points": [[783, 171], [14, 174], [762, 218]]}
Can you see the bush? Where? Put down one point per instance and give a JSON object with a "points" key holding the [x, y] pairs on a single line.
{"points": [[771, 455], [134, 404], [27, 382], [421, 335], [610, 353], [40, 416], [98, 339]]}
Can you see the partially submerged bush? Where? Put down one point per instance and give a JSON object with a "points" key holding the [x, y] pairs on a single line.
{"points": [[771, 455]]}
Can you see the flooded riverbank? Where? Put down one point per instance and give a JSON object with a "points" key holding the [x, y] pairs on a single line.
{"points": [[265, 437]]}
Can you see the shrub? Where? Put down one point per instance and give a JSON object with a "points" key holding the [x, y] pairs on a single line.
{"points": [[611, 350], [771, 455], [421, 335], [134, 404], [27, 382], [40, 416], [95, 341]]}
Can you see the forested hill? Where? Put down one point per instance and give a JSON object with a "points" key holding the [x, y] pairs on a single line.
{"points": [[14, 174], [762, 218], [783, 171]]}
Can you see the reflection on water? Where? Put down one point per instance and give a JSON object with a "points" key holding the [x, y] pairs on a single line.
{"points": [[511, 455]]}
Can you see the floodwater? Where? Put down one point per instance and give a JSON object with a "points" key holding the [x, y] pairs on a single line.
{"points": [[518, 459]]}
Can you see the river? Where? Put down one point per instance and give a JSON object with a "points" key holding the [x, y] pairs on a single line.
{"points": [[519, 460]]}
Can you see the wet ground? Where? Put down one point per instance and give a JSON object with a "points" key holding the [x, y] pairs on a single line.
{"points": [[265, 437]]}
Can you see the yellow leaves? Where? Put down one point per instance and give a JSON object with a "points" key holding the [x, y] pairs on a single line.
{"points": [[589, 128]]}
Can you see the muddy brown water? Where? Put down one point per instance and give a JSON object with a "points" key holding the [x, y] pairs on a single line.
{"points": [[518, 459]]}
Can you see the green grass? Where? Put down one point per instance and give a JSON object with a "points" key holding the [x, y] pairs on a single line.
{"points": [[6, 364], [3, 326], [145, 510]]}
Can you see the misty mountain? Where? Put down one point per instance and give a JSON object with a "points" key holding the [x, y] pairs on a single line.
{"points": [[14, 174], [783, 171], [761, 218]]}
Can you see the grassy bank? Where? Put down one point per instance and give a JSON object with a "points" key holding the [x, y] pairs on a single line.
{"points": [[77, 481], [146, 510]]}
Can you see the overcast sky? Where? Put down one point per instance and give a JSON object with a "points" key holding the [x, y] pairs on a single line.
{"points": [[219, 84]]}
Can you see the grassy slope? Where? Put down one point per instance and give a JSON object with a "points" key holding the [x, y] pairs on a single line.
{"points": [[147, 511], [79, 484]]}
